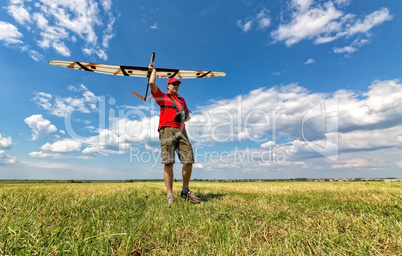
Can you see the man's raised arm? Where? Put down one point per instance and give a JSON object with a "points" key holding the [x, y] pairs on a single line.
{"points": [[152, 79]]}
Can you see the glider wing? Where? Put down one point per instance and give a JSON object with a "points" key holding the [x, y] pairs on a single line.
{"points": [[134, 71]]}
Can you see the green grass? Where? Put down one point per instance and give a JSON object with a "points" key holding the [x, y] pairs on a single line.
{"points": [[261, 218]]}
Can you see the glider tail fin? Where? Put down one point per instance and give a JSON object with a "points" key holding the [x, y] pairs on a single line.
{"points": [[140, 96]]}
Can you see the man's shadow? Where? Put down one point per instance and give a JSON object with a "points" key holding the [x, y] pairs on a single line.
{"points": [[210, 196]]}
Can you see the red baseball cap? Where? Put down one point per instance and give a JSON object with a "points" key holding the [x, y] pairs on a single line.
{"points": [[172, 80]]}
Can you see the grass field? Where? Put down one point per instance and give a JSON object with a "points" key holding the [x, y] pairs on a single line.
{"points": [[241, 218]]}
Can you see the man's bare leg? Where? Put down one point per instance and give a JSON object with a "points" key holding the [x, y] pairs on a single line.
{"points": [[168, 177], [185, 192], [187, 169]]}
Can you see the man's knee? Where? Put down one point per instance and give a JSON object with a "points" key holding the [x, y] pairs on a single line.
{"points": [[169, 166]]}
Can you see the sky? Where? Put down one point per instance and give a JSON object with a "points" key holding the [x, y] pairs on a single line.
{"points": [[313, 88]]}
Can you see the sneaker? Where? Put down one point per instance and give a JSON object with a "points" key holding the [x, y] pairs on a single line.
{"points": [[190, 196], [170, 200]]}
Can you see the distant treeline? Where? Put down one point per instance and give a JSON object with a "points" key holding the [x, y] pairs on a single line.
{"points": [[204, 180]]}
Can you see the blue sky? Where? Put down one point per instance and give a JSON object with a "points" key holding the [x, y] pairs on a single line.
{"points": [[312, 88]]}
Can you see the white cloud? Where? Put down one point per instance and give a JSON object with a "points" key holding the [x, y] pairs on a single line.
{"points": [[325, 23], [342, 2], [139, 131], [354, 46], [246, 26], [73, 88], [266, 115], [57, 24], [288, 120], [61, 48], [106, 142], [36, 56], [107, 4], [151, 149], [370, 21], [43, 99], [198, 166], [382, 105], [268, 144], [50, 165], [9, 33], [309, 61], [11, 36], [61, 107], [261, 19], [19, 13], [371, 139], [5, 142], [118, 139], [93, 150], [346, 49], [42, 154], [105, 42], [154, 26], [261, 115], [62, 146], [40, 127], [6, 159], [309, 23], [352, 163], [264, 23], [40, 20], [302, 5]]}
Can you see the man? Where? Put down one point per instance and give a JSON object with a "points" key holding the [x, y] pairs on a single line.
{"points": [[173, 136]]}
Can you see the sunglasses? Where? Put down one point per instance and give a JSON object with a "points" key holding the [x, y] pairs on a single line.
{"points": [[175, 84]]}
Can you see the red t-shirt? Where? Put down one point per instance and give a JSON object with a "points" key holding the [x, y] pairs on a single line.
{"points": [[166, 117]]}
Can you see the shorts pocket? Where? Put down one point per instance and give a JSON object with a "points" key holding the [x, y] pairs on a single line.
{"points": [[161, 134]]}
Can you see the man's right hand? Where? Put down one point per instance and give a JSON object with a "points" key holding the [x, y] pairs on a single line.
{"points": [[152, 79]]}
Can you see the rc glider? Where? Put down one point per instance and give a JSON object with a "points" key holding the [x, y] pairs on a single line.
{"points": [[120, 70]]}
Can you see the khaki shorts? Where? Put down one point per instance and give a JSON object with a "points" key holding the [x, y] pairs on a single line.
{"points": [[175, 140]]}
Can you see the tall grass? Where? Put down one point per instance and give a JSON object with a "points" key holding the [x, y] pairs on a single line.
{"points": [[266, 218]]}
